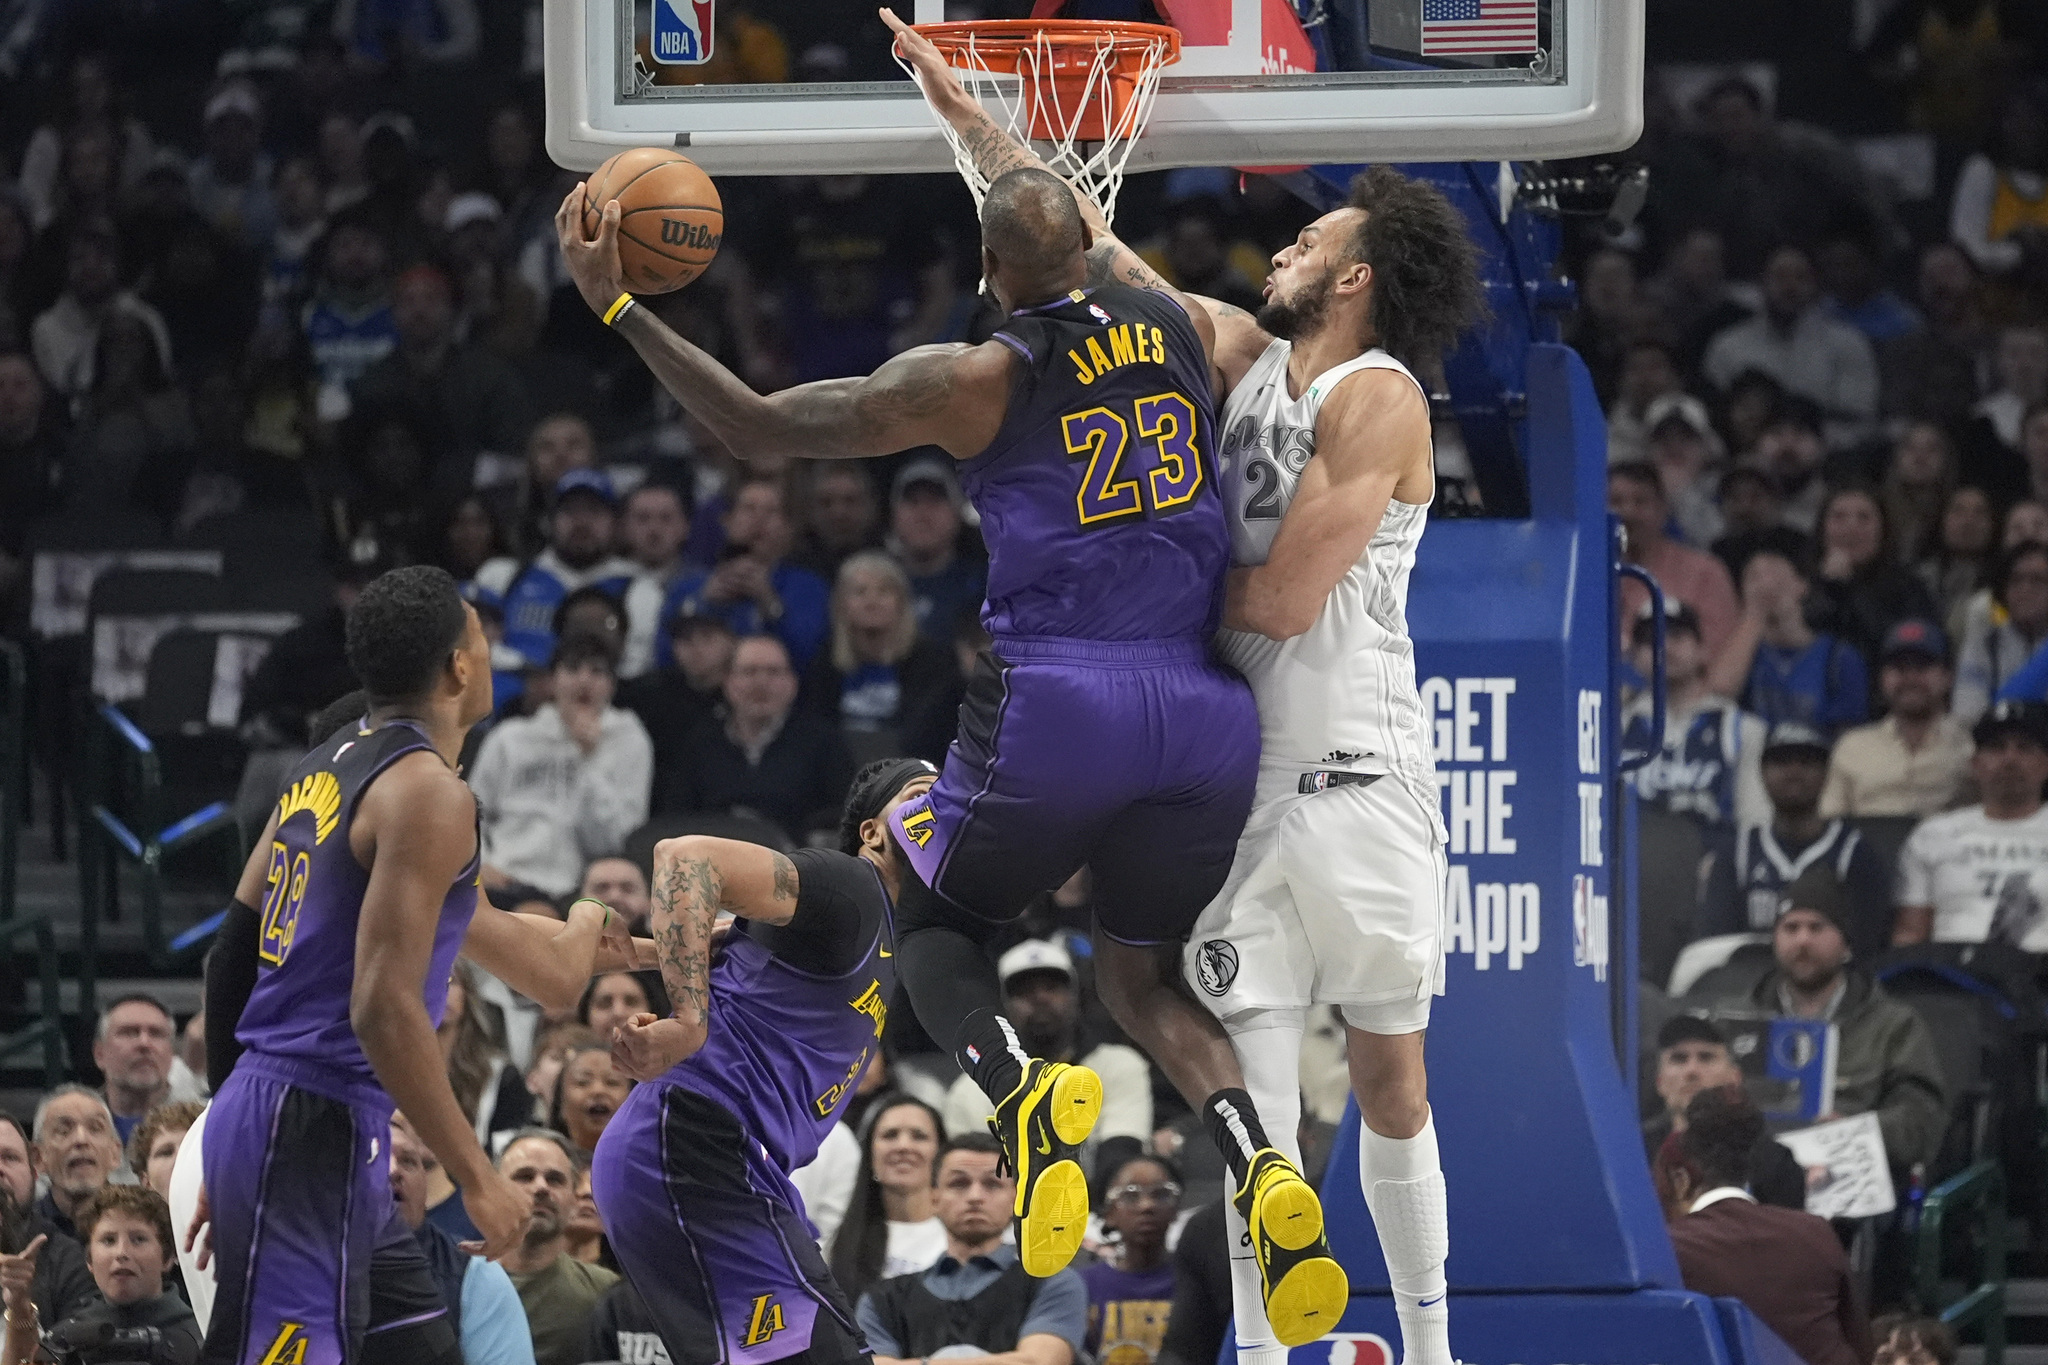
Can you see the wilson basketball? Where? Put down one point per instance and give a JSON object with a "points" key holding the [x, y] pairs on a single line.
{"points": [[671, 220]]}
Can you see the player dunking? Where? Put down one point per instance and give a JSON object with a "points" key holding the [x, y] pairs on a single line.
{"points": [[747, 1076], [1335, 896], [1098, 730], [367, 881]]}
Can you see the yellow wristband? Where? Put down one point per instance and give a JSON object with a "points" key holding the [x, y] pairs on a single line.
{"points": [[617, 310]]}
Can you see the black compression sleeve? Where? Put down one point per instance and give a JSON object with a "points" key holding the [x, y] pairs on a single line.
{"points": [[839, 909], [230, 977]]}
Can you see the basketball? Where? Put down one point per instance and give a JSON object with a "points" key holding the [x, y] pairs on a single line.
{"points": [[671, 220]]}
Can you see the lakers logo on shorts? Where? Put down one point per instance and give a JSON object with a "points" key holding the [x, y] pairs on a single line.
{"points": [[289, 1346], [918, 828], [765, 1322], [1216, 966]]}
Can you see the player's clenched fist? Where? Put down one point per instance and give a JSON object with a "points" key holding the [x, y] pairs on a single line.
{"points": [[646, 1046]]}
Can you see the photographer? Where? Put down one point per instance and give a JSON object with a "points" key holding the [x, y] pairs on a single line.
{"points": [[127, 1231]]}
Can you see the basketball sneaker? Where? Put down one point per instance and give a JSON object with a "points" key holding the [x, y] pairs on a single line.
{"points": [[1305, 1290], [1040, 1124]]}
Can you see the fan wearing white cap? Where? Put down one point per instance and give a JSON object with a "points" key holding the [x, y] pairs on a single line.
{"points": [[231, 181], [1041, 998]]}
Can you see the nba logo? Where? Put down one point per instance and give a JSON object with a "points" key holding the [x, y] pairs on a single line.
{"points": [[682, 32], [1351, 1348]]}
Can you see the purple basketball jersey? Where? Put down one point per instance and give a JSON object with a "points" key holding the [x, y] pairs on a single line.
{"points": [[786, 1048], [1098, 497], [307, 933]]}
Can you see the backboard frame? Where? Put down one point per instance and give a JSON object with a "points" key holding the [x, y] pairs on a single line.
{"points": [[1588, 102]]}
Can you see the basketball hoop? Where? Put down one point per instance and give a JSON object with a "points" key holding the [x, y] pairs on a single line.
{"points": [[1083, 88]]}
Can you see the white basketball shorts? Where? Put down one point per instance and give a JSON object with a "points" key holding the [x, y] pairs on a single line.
{"points": [[1335, 898]]}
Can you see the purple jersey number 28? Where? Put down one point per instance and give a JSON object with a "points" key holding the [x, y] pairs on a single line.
{"points": [[1101, 436]]}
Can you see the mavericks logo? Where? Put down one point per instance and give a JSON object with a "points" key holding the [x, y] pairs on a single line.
{"points": [[1216, 966]]}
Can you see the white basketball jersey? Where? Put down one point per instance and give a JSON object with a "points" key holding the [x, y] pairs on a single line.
{"points": [[1342, 695]]}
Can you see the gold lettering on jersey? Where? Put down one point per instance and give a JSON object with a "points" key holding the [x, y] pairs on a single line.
{"points": [[765, 1322], [1120, 351], [320, 795], [1097, 356], [919, 827], [829, 1101], [873, 1005], [290, 1346], [1129, 344]]}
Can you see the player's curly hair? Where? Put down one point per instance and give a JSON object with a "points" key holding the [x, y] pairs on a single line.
{"points": [[1425, 270], [402, 629]]}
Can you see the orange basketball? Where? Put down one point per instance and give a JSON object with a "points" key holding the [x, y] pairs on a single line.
{"points": [[671, 220]]}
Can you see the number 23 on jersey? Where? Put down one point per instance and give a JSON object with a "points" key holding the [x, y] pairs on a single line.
{"points": [[281, 903], [1162, 478]]}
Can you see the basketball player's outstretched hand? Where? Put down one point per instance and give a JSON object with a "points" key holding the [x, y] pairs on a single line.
{"points": [[593, 262], [934, 74], [199, 1234], [500, 1210], [17, 1277], [646, 1045]]}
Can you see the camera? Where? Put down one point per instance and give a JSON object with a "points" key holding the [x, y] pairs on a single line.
{"points": [[102, 1343]]}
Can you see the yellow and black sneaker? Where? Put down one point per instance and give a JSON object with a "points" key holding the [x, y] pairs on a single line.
{"points": [[1048, 1115], [1306, 1291]]}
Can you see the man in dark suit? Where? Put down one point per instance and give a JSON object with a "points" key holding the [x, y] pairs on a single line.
{"points": [[1787, 1267]]}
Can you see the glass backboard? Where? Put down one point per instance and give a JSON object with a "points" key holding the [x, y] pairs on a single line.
{"points": [[774, 87]]}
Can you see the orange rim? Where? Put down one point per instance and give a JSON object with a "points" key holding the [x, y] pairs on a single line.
{"points": [[1001, 42]]}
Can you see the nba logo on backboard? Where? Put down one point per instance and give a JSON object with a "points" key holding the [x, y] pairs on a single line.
{"points": [[1352, 1348], [682, 32]]}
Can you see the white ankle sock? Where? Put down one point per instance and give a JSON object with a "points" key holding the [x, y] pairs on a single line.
{"points": [[1403, 1182], [1255, 1343]]}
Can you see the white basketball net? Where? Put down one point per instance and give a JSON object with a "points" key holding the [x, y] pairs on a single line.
{"points": [[1096, 169]]}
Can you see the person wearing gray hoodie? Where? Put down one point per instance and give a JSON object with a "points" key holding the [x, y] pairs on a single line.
{"points": [[568, 783]]}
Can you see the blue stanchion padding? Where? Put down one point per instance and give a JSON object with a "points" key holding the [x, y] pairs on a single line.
{"points": [[1749, 1340], [199, 932]]}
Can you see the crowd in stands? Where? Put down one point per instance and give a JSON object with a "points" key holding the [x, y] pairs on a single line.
{"points": [[291, 264]]}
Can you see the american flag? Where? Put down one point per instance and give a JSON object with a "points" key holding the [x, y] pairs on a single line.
{"points": [[1477, 28]]}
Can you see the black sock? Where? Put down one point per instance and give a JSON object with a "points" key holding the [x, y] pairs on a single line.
{"points": [[1235, 1127], [987, 1049]]}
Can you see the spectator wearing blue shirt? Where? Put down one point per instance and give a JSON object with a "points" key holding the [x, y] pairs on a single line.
{"points": [[578, 555], [347, 322], [925, 521], [976, 1300], [877, 674], [755, 589], [1777, 665], [1856, 289]]}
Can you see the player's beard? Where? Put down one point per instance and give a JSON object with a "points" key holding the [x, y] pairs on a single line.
{"points": [[1301, 315]]}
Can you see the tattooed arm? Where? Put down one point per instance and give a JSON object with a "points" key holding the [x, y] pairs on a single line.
{"points": [[996, 154], [1239, 341], [952, 396], [695, 879]]}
